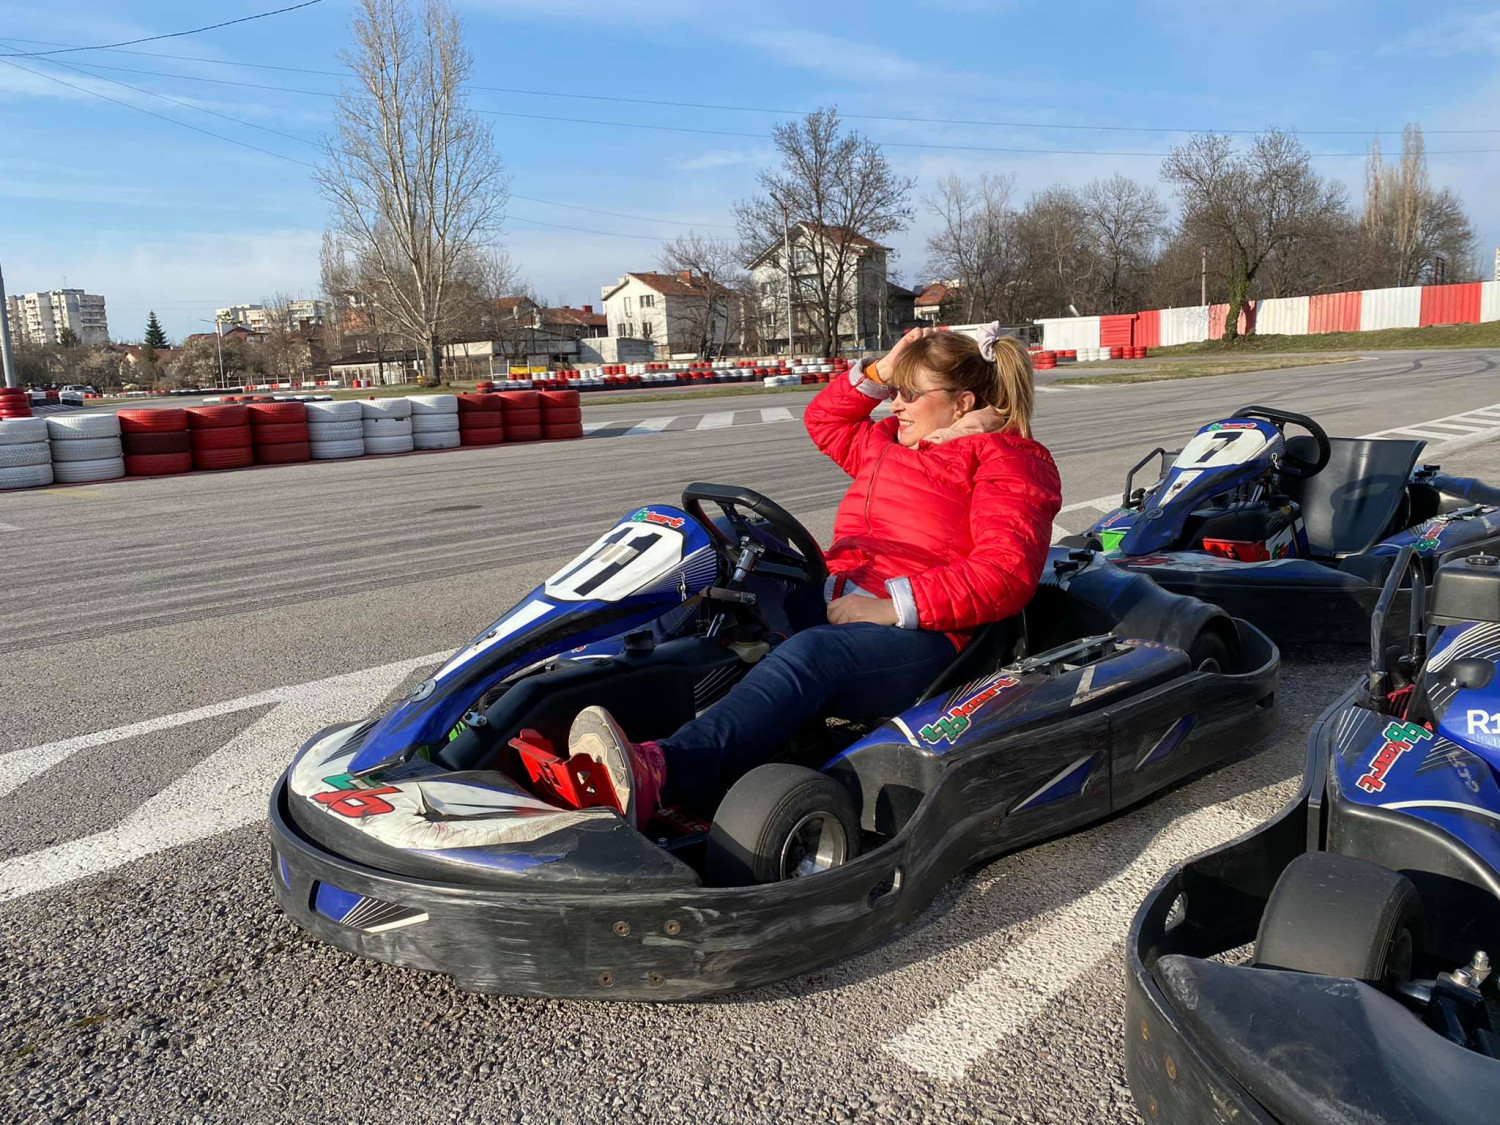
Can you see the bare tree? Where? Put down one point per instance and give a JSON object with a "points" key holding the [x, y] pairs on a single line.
{"points": [[412, 175], [1125, 220], [1058, 271], [337, 285], [972, 244], [711, 268], [840, 193], [1252, 204], [1408, 227]]}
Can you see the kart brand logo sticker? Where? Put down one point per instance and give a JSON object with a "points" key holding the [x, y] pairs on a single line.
{"points": [[1399, 738], [1233, 426], [954, 721], [646, 515], [349, 799], [1483, 722]]}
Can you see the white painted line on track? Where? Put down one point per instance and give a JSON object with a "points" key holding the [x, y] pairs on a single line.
{"points": [[590, 427], [9, 527], [717, 420], [225, 790], [1071, 942], [650, 426], [775, 414]]}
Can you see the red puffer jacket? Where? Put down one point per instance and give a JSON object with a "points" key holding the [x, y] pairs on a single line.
{"points": [[956, 533]]}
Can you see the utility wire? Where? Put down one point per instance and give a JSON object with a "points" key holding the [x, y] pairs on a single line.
{"points": [[64, 50], [733, 108]]}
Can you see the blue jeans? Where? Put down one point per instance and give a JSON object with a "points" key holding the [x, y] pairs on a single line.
{"points": [[858, 671]]}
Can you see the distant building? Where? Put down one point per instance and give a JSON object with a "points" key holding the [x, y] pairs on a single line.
{"points": [[258, 318], [860, 323], [678, 313], [929, 302], [41, 318], [900, 311], [582, 323]]}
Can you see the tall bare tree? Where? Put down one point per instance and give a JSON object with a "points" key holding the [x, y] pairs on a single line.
{"points": [[1252, 204], [711, 267], [842, 196], [412, 174], [972, 244], [1125, 220], [1408, 227]]}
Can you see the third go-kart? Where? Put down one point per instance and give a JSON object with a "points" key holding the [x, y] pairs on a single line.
{"points": [[1370, 905], [1292, 532], [453, 833]]}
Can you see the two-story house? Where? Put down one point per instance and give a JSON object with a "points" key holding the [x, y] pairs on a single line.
{"points": [[862, 299], [679, 313]]}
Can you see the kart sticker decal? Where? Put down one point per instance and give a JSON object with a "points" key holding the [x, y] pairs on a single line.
{"points": [[620, 563], [1399, 738], [1222, 445], [1069, 782], [357, 803], [955, 720], [519, 618], [1110, 538], [1160, 743], [646, 515], [372, 915], [1179, 482]]}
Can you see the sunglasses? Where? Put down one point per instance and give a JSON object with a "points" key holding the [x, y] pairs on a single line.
{"points": [[909, 397]]}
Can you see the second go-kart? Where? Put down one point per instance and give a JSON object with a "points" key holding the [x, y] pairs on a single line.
{"points": [[1370, 906], [1294, 533], [454, 834]]}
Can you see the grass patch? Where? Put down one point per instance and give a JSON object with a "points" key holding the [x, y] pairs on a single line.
{"points": [[1206, 369], [1485, 335]]}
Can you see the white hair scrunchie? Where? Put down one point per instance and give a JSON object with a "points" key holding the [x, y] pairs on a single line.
{"points": [[988, 335]]}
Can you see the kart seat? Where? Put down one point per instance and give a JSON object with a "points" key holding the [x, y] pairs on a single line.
{"points": [[993, 646], [1358, 498]]}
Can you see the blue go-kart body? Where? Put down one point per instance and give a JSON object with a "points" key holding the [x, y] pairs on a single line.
{"points": [[1292, 533], [432, 837], [1372, 901]]}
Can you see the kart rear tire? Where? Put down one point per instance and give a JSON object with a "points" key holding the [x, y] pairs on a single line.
{"points": [[1209, 653], [752, 836], [1341, 917]]}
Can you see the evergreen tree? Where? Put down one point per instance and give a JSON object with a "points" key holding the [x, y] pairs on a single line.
{"points": [[155, 337]]}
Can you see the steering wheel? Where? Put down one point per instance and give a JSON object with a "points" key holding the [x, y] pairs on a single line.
{"points": [[790, 549], [1289, 465]]}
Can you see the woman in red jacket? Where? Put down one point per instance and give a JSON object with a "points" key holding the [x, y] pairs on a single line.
{"points": [[944, 529]]}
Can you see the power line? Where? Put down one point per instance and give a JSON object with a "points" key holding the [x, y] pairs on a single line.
{"points": [[169, 35], [620, 214]]}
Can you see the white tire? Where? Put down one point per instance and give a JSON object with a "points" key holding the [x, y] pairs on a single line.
{"points": [[386, 427], [26, 476], [76, 472], [434, 424], [386, 408], [64, 426], [334, 450], [433, 404], [87, 449], [447, 439], [334, 411], [401, 444], [22, 431], [335, 431], [23, 456]]}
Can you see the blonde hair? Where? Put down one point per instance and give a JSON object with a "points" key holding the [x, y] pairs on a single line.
{"points": [[956, 362]]}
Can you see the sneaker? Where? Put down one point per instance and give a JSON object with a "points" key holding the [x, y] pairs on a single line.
{"points": [[635, 772]]}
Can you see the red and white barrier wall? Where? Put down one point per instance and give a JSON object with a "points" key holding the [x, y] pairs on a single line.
{"points": [[1411, 306]]}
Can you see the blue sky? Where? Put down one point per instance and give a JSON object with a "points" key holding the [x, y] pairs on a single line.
{"points": [[101, 196]]}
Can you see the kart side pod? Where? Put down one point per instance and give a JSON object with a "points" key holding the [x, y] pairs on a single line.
{"points": [[1466, 589]]}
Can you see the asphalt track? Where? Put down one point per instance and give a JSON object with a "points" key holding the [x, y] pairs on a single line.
{"points": [[164, 644]]}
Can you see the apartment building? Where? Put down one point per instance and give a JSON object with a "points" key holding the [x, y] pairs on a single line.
{"points": [[258, 318], [42, 318]]}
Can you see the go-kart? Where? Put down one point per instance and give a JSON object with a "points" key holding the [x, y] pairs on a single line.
{"points": [[454, 834], [1293, 533], [1372, 901]]}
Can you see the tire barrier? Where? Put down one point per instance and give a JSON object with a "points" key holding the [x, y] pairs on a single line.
{"points": [[153, 421], [386, 427], [157, 464], [522, 414], [378, 446], [22, 431], [86, 448], [480, 419], [157, 442], [283, 453], [26, 476], [444, 439], [22, 455], [14, 403], [220, 437], [434, 423], [217, 417], [279, 433], [229, 437], [433, 404], [562, 416], [337, 450], [386, 408], [319, 412], [353, 428]]}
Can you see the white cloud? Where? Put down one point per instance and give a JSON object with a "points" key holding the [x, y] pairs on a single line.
{"points": [[1466, 34], [723, 159]]}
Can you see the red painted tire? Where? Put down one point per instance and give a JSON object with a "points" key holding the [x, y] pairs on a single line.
{"points": [[156, 444], [480, 420], [278, 433], [551, 399], [284, 453], [152, 421], [478, 404], [515, 418], [240, 458], [263, 412], [522, 433], [157, 464], [237, 437], [562, 415], [481, 435], [19, 412], [520, 400], [563, 432], [216, 417]]}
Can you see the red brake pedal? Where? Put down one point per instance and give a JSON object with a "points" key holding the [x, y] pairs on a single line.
{"points": [[576, 782]]}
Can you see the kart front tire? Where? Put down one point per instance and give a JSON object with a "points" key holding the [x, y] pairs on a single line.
{"points": [[1341, 917], [1209, 653], [781, 821]]}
